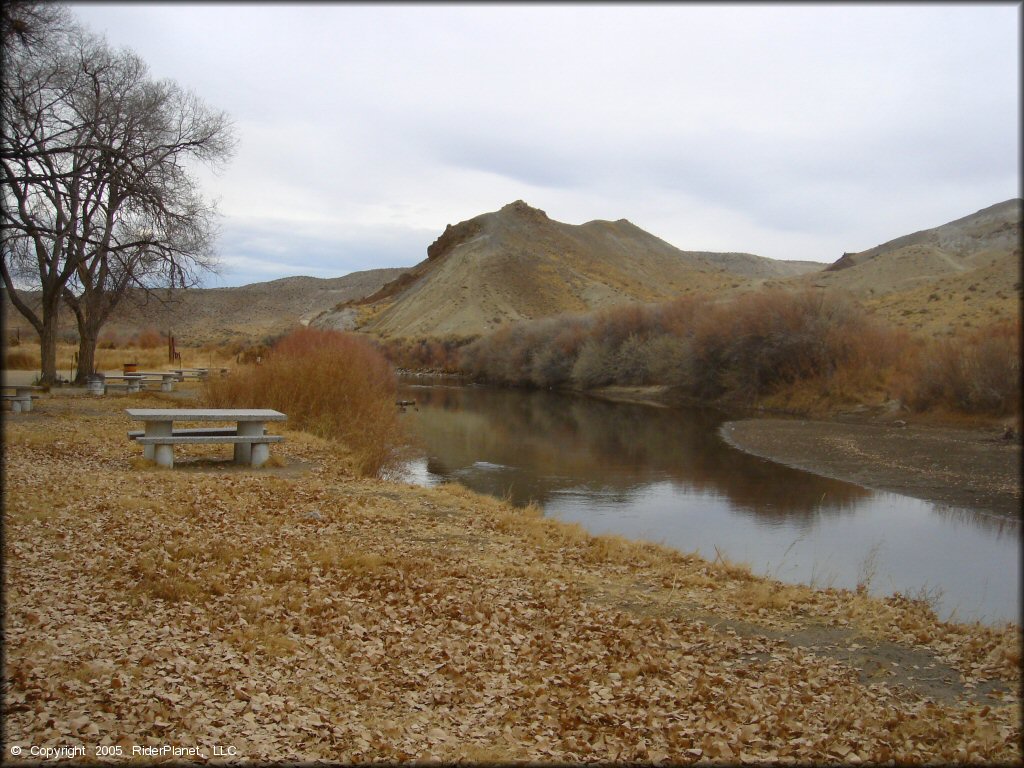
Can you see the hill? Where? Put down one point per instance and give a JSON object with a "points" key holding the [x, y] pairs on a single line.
{"points": [[961, 274], [214, 315], [517, 264]]}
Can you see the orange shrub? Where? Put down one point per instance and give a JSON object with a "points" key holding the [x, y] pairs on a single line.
{"points": [[331, 384]]}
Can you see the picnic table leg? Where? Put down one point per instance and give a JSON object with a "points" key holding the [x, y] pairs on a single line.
{"points": [[167, 385], [260, 454], [26, 399], [157, 429], [243, 451], [164, 455]]}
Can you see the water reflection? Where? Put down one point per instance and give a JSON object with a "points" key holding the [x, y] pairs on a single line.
{"points": [[664, 475], [529, 446]]}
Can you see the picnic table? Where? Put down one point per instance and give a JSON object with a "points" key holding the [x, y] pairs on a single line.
{"points": [[158, 438], [167, 378], [21, 400], [132, 381], [198, 373]]}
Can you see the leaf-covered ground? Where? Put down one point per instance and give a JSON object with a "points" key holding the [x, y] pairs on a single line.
{"points": [[298, 613]]}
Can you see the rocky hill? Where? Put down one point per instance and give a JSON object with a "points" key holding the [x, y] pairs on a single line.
{"points": [[516, 264], [961, 274]]}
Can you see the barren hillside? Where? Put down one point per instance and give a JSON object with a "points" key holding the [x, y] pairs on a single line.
{"points": [[516, 264], [959, 275], [201, 315]]}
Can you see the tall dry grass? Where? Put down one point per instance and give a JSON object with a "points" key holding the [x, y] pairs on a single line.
{"points": [[26, 357], [331, 384]]}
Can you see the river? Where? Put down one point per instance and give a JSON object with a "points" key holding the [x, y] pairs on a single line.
{"points": [[664, 475]]}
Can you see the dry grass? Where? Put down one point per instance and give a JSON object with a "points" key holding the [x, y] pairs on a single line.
{"points": [[26, 357], [330, 384]]}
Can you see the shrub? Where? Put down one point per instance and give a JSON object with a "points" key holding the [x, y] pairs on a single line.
{"points": [[331, 384], [149, 338], [810, 349], [976, 372]]}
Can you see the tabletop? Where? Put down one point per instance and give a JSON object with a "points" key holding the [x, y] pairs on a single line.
{"points": [[205, 414]]}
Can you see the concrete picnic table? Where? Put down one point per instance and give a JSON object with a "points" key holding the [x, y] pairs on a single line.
{"points": [[252, 445], [132, 380], [167, 378], [21, 400]]}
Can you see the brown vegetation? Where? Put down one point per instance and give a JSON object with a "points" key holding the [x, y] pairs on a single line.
{"points": [[975, 372], [331, 384], [424, 353], [113, 355], [808, 351]]}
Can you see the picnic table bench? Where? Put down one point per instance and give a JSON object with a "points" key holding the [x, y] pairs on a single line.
{"points": [[21, 400], [167, 378], [158, 438], [132, 382], [199, 373]]}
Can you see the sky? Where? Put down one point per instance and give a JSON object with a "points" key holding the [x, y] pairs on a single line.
{"points": [[797, 131]]}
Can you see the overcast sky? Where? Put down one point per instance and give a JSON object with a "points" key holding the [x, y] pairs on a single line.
{"points": [[789, 131]]}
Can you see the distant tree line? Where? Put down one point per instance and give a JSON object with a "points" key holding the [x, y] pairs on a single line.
{"points": [[98, 195]]}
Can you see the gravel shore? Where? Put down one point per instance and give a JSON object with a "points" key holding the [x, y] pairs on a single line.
{"points": [[973, 468]]}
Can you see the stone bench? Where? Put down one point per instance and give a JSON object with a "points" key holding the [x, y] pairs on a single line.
{"points": [[163, 452], [193, 432]]}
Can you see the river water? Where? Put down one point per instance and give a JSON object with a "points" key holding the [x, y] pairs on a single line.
{"points": [[664, 475]]}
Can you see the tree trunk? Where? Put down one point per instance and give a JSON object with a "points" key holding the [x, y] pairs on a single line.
{"points": [[86, 354], [48, 350]]}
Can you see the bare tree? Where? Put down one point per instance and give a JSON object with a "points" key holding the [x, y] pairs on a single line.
{"points": [[31, 25], [41, 153], [97, 189], [152, 227]]}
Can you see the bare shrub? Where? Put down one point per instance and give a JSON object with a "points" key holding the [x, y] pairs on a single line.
{"points": [[593, 366], [976, 372], [331, 384], [669, 360], [809, 350], [149, 338]]}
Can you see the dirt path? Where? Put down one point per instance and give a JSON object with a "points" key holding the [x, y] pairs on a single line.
{"points": [[971, 468]]}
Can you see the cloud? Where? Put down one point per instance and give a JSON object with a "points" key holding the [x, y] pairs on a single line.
{"points": [[796, 131], [254, 251]]}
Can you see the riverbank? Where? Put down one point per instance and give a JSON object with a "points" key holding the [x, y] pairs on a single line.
{"points": [[971, 468], [976, 467], [297, 613]]}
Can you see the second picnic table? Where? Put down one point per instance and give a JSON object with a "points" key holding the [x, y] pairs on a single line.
{"points": [[159, 437], [21, 400]]}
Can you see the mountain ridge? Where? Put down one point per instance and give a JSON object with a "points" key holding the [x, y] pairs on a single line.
{"points": [[517, 263]]}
